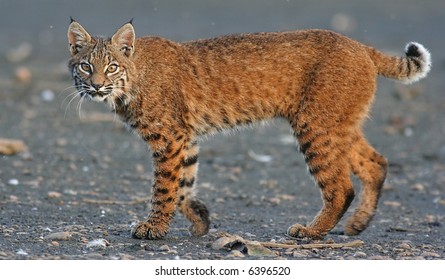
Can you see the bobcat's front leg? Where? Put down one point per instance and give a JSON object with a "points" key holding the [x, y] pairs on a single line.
{"points": [[168, 156]]}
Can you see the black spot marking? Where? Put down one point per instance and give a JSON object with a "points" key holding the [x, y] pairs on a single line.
{"points": [[190, 161], [178, 166], [163, 173], [304, 147], [163, 190], [173, 178], [168, 149], [226, 120], [186, 183], [417, 63], [314, 170], [159, 157], [135, 125], [175, 154], [309, 156], [152, 137], [181, 183]]}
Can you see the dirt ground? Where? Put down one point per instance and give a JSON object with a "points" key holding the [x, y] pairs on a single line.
{"points": [[84, 179]]}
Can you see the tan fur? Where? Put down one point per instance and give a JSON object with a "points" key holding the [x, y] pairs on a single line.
{"points": [[170, 93]]}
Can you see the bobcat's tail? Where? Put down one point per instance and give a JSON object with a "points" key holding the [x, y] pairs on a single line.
{"points": [[409, 69]]}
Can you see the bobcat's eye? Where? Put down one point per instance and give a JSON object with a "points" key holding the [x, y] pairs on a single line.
{"points": [[112, 69], [85, 67]]}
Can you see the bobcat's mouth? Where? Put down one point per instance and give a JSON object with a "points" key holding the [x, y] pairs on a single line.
{"points": [[99, 94], [94, 94]]}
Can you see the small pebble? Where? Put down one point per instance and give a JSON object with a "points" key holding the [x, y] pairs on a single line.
{"points": [[11, 147], [61, 142], [299, 254], [54, 194], [404, 246], [287, 139], [418, 187], [13, 182], [126, 257], [430, 255], [21, 252], [378, 257], [398, 250], [360, 254], [235, 254], [406, 254], [47, 95], [59, 236], [98, 243], [23, 75], [164, 248], [392, 203], [258, 157], [55, 243]]}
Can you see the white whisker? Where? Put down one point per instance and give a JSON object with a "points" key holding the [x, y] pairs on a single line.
{"points": [[73, 96], [68, 88], [79, 106]]}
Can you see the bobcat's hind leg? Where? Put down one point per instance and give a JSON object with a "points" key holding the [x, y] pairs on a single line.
{"points": [[191, 207], [371, 168], [326, 156]]}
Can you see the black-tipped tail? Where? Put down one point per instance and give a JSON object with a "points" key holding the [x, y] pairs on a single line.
{"points": [[409, 69]]}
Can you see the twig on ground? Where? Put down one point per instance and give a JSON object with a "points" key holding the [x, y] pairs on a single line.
{"points": [[107, 201], [355, 243]]}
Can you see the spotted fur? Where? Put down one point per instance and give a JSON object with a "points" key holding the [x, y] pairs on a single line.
{"points": [[172, 93]]}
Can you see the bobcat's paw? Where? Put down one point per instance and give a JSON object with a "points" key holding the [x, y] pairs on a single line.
{"points": [[358, 222], [299, 231], [146, 230], [354, 227], [199, 229]]}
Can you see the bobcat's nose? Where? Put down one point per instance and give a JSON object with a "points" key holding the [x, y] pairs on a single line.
{"points": [[96, 86]]}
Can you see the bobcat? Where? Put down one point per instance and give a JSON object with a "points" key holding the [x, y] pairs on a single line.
{"points": [[171, 93]]}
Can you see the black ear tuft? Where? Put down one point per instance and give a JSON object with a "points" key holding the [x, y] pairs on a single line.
{"points": [[131, 21], [71, 19]]}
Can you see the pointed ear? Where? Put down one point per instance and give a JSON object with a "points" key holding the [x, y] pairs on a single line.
{"points": [[78, 37], [124, 38]]}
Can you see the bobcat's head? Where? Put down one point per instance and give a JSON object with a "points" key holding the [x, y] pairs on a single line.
{"points": [[101, 67]]}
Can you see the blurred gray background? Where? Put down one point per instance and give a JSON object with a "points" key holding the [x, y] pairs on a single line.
{"points": [[384, 23], [72, 158]]}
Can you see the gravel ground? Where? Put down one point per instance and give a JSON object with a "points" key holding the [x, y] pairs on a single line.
{"points": [[83, 180]]}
